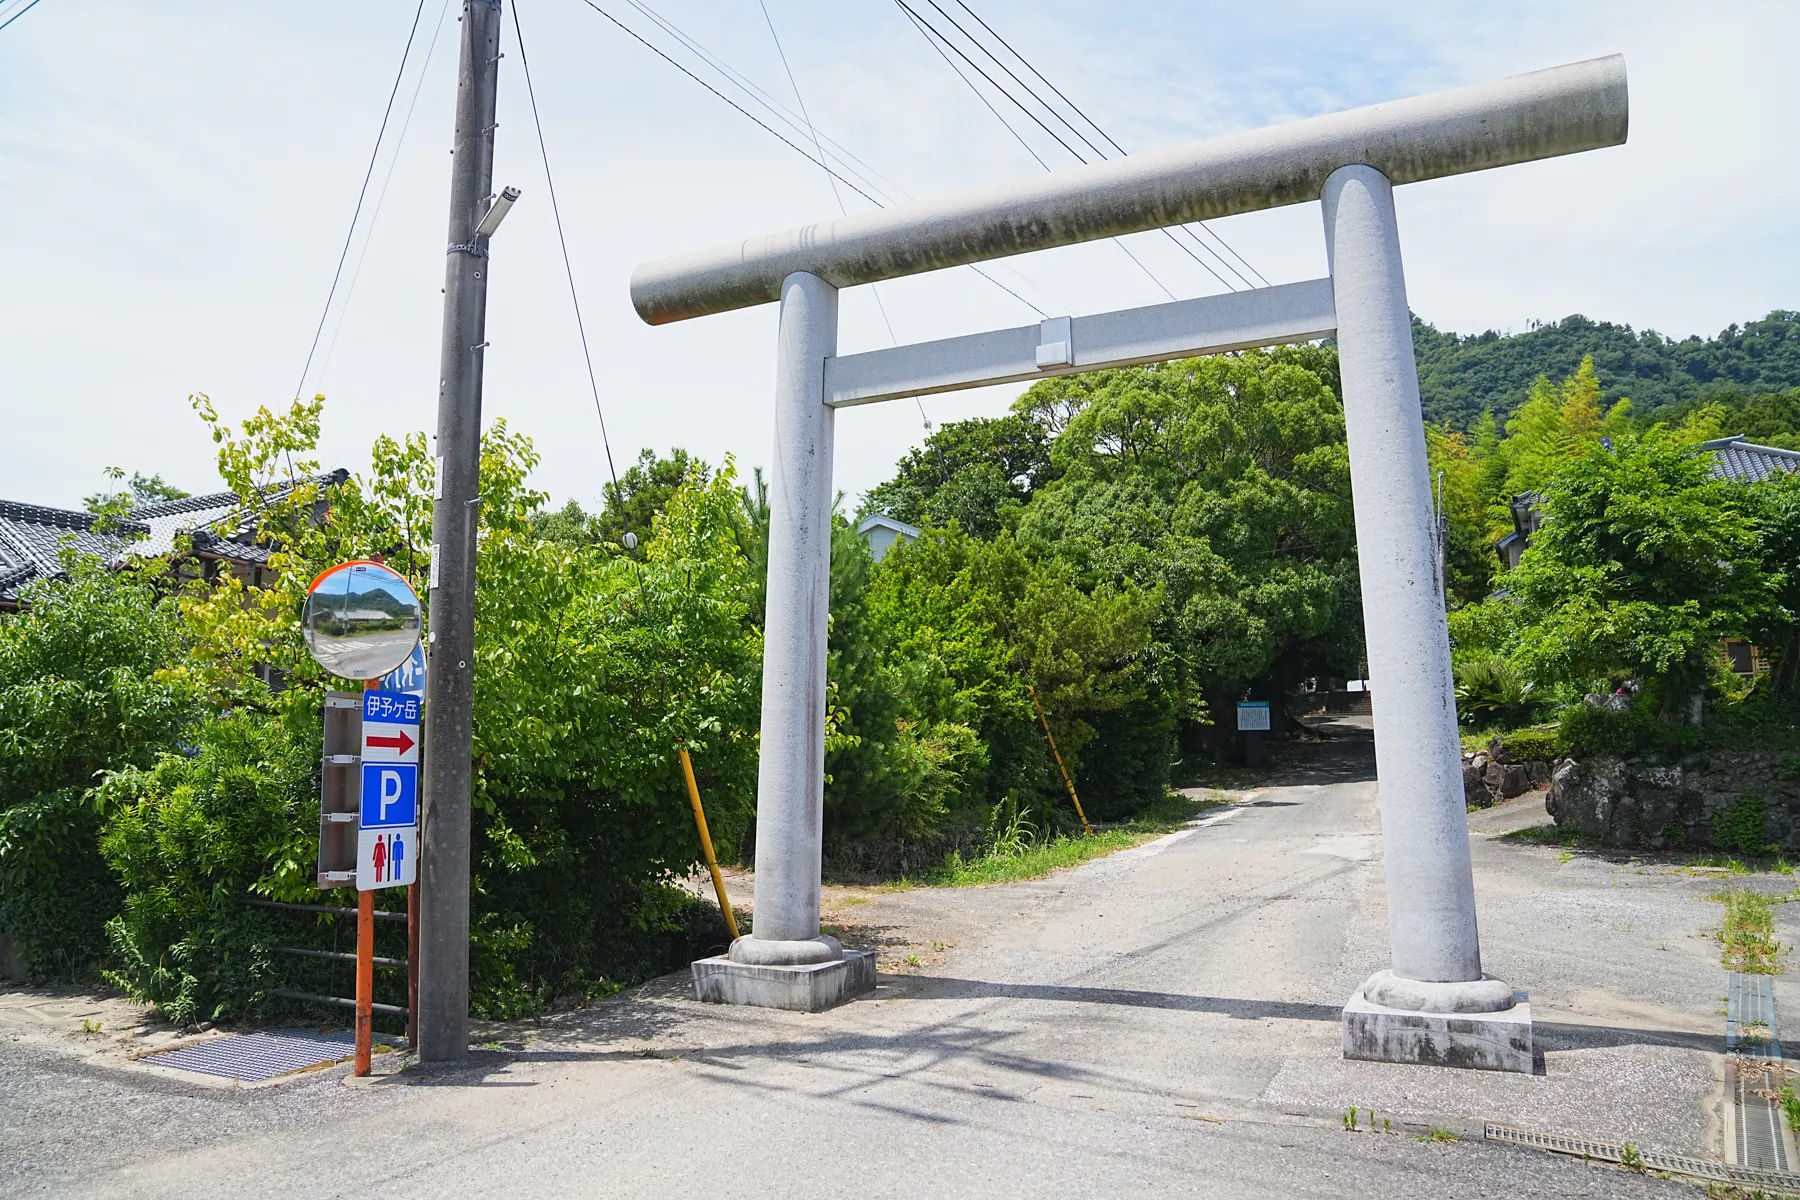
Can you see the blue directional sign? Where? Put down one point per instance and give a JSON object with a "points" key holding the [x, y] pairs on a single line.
{"points": [[390, 708], [390, 795]]}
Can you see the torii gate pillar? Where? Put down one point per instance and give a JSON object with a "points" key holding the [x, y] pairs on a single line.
{"points": [[1435, 1005]]}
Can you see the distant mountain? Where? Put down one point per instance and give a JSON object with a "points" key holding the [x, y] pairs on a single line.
{"points": [[1460, 376]]}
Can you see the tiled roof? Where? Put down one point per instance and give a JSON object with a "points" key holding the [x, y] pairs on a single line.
{"points": [[1746, 462], [217, 525], [32, 538], [169, 519]]}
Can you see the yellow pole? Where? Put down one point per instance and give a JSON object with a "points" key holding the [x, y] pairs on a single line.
{"points": [[1067, 782], [712, 864]]}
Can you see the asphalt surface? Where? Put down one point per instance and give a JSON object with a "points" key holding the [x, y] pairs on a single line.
{"points": [[1162, 1021]]}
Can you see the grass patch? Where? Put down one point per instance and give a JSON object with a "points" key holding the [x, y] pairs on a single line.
{"points": [[1545, 835], [1018, 855], [1748, 934]]}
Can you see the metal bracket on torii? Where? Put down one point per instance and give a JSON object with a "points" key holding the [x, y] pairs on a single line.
{"points": [[1434, 1005]]}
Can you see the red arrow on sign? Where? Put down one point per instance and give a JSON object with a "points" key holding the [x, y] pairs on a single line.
{"points": [[400, 743]]}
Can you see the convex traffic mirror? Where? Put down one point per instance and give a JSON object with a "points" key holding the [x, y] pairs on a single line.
{"points": [[361, 620]]}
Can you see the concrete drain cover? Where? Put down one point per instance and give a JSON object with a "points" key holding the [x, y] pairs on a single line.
{"points": [[252, 1057]]}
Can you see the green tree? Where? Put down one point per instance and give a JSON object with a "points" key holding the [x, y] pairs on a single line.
{"points": [[139, 490], [1778, 631], [978, 473], [1457, 476], [1556, 424], [1222, 485], [591, 668], [973, 622], [1644, 562], [1461, 376]]}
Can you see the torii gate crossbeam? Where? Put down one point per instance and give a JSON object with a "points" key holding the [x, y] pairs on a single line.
{"points": [[1434, 1005]]}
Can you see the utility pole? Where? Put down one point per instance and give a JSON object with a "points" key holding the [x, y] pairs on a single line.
{"points": [[443, 1016]]}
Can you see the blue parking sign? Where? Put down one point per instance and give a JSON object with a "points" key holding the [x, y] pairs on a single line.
{"points": [[390, 795]]}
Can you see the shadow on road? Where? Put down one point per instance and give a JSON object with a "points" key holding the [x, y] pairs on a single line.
{"points": [[1348, 759], [1551, 1035]]}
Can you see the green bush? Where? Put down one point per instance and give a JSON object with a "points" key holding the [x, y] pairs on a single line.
{"points": [[1584, 730], [1744, 826], [1531, 745], [189, 838], [82, 689]]}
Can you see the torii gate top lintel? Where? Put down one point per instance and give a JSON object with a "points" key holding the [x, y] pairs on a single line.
{"points": [[1542, 114]]}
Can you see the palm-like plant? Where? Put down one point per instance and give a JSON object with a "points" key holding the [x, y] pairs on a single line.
{"points": [[1490, 689]]}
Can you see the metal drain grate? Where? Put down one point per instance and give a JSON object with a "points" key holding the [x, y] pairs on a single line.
{"points": [[1652, 1160], [1759, 1114], [252, 1057], [1750, 1017]]}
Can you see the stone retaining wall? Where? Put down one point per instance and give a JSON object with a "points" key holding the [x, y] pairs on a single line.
{"points": [[1489, 777], [1632, 804]]}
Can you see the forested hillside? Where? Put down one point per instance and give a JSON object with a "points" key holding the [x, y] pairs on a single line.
{"points": [[1461, 376]]}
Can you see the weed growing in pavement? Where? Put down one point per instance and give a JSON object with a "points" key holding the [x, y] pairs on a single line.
{"points": [[1352, 1122], [1630, 1158], [1438, 1135], [1748, 932], [1790, 1105], [91, 1028]]}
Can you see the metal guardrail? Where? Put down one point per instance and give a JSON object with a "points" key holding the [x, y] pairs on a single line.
{"points": [[335, 955], [324, 908], [339, 955], [341, 1001]]}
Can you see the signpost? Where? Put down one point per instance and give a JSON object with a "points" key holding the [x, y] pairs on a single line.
{"points": [[361, 621], [1253, 723], [1253, 716], [387, 838]]}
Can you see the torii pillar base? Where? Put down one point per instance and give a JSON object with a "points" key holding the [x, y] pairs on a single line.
{"points": [[1483, 1041], [800, 987]]}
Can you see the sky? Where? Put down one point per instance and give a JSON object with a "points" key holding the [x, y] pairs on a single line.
{"points": [[179, 180]]}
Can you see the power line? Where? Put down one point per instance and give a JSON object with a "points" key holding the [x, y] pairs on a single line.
{"points": [[1072, 128], [814, 131], [923, 23], [935, 36], [568, 267], [20, 13], [825, 166], [752, 91], [1108, 138], [381, 196], [848, 161], [362, 193]]}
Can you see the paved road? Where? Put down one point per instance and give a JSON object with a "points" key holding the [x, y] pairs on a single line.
{"points": [[1161, 1022]]}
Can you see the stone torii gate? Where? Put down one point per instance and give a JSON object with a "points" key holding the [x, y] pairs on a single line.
{"points": [[1434, 1005]]}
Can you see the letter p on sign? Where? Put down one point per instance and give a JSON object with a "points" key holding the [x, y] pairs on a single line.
{"points": [[390, 795]]}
